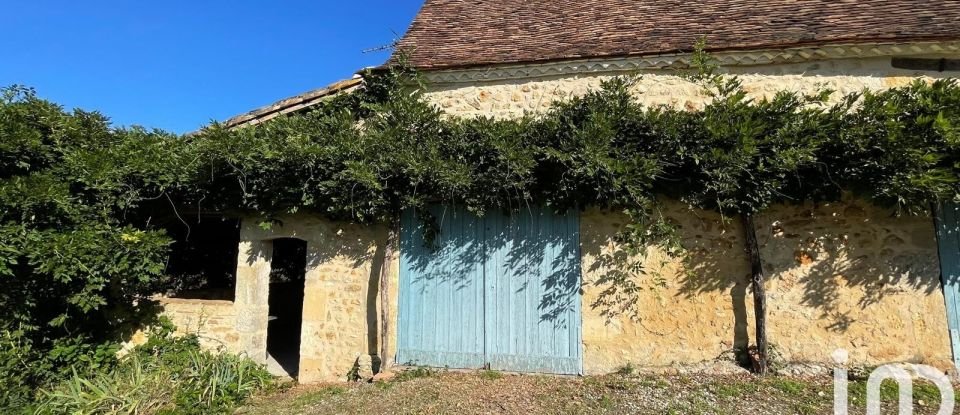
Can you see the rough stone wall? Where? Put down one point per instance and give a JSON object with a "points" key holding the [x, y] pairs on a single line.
{"points": [[841, 275], [853, 276], [513, 98], [341, 297], [674, 312], [251, 303], [214, 321], [340, 315]]}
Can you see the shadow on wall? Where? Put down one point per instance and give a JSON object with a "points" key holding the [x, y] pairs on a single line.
{"points": [[638, 288], [850, 247], [838, 259], [842, 258], [146, 315]]}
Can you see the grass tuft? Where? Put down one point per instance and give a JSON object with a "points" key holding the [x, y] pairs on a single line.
{"points": [[415, 373], [789, 386], [490, 375], [626, 370]]}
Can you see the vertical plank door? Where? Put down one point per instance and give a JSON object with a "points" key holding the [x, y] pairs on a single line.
{"points": [[948, 238], [533, 292], [501, 291], [441, 290]]}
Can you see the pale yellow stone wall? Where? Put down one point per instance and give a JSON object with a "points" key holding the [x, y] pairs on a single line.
{"points": [[513, 98], [214, 321], [676, 313], [251, 302], [341, 297], [853, 276], [841, 275]]}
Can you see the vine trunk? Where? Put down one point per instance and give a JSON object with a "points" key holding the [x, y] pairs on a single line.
{"points": [[759, 294]]}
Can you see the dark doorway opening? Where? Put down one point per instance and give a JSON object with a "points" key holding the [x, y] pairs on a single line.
{"points": [[287, 275]]}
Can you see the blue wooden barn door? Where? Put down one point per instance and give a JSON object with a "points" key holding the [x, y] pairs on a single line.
{"points": [[502, 290], [441, 291], [533, 286], [948, 236]]}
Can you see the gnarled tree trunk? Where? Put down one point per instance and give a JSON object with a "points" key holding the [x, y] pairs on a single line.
{"points": [[759, 294]]}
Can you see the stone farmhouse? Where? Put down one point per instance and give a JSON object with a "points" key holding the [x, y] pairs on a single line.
{"points": [[525, 293]]}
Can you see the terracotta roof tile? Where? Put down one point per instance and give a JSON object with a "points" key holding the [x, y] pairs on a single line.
{"points": [[461, 33]]}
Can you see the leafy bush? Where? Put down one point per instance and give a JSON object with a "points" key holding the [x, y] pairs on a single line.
{"points": [[491, 375], [626, 370], [22, 366], [19, 369], [77, 264], [165, 375]]}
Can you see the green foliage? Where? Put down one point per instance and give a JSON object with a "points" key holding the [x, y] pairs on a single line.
{"points": [[165, 375], [76, 262], [740, 155], [900, 146], [789, 386], [924, 391], [135, 389], [20, 367]]}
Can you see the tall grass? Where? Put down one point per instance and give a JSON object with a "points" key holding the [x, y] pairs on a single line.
{"points": [[165, 376], [133, 389]]}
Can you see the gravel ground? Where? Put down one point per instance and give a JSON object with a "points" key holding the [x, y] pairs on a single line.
{"points": [[487, 392]]}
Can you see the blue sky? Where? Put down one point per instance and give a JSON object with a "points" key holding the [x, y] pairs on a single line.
{"points": [[177, 64]]}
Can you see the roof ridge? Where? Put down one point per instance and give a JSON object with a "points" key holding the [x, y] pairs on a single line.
{"points": [[293, 104]]}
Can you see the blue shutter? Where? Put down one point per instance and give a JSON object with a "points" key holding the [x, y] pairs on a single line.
{"points": [[441, 291], [533, 286], [948, 237], [501, 290]]}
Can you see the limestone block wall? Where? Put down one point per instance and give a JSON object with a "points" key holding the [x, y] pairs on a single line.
{"points": [[214, 321], [674, 311], [252, 294], [853, 276], [340, 294], [341, 297], [840, 275], [825, 266], [514, 97]]}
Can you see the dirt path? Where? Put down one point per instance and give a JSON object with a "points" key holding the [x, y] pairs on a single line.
{"points": [[424, 392]]}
